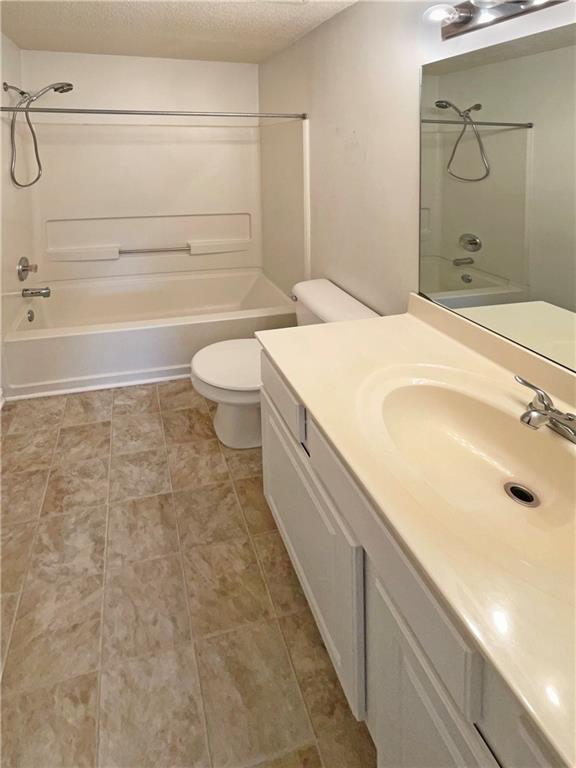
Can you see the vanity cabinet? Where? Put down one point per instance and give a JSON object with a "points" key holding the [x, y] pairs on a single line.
{"points": [[406, 665], [326, 557], [412, 719]]}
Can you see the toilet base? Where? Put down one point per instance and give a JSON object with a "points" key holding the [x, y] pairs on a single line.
{"points": [[238, 426]]}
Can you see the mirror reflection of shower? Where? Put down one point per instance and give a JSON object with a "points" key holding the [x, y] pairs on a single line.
{"points": [[467, 121], [25, 101]]}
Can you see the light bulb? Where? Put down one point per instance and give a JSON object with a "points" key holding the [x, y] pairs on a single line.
{"points": [[444, 13]]}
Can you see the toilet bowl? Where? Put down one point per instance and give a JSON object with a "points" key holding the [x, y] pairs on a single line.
{"points": [[228, 373]]}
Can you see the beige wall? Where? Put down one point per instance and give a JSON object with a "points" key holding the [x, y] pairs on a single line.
{"points": [[285, 213], [357, 76]]}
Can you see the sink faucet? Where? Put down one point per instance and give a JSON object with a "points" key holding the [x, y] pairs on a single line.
{"points": [[28, 293], [541, 411]]}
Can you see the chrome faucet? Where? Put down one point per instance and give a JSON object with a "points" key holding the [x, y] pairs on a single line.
{"points": [[29, 293], [542, 412]]}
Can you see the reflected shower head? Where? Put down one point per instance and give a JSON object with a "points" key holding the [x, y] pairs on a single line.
{"points": [[445, 104], [463, 113]]}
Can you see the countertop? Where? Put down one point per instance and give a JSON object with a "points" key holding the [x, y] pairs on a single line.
{"points": [[521, 613]]}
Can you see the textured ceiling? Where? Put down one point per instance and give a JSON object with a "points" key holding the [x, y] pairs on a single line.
{"points": [[180, 29]]}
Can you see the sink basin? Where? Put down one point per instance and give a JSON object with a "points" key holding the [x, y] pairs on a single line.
{"points": [[455, 440]]}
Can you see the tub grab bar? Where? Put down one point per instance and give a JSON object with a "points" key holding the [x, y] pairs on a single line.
{"points": [[167, 249]]}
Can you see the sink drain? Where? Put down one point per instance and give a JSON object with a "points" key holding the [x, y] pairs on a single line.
{"points": [[522, 495]]}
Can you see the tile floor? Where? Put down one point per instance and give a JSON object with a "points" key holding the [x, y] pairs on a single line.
{"points": [[150, 613]]}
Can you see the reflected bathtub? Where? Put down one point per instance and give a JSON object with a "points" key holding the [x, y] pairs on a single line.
{"points": [[102, 333], [465, 286]]}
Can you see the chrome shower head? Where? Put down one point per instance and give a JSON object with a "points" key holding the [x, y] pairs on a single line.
{"points": [[56, 87], [62, 87], [445, 104]]}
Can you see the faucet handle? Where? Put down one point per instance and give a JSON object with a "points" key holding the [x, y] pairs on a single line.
{"points": [[542, 398]]}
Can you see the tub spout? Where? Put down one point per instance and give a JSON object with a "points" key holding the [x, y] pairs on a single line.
{"points": [[29, 293]]}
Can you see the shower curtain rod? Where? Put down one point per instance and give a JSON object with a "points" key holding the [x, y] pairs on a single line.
{"points": [[153, 113], [479, 122]]}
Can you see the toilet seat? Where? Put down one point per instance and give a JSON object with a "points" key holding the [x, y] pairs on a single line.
{"points": [[228, 373], [232, 365]]}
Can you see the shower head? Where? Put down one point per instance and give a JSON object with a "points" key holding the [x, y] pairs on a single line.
{"points": [[463, 113], [62, 87], [445, 104], [56, 87]]}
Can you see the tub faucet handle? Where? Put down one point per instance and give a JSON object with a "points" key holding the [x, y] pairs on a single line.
{"points": [[24, 268]]}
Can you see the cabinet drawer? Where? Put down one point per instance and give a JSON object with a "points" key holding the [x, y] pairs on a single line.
{"points": [[291, 410], [456, 662], [326, 558]]}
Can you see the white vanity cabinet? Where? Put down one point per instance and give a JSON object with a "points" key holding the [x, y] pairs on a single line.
{"points": [[327, 559], [405, 663], [412, 718]]}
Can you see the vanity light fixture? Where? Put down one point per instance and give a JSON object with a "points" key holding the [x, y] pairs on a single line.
{"points": [[477, 14], [445, 14]]}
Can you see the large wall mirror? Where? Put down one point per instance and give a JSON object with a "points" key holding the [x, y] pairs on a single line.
{"points": [[498, 189]]}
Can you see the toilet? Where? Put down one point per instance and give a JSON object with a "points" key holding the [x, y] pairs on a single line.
{"points": [[228, 372]]}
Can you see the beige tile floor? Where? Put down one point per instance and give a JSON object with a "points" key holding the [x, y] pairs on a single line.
{"points": [[150, 613]]}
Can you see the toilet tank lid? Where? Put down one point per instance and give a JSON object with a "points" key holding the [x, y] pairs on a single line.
{"points": [[330, 303]]}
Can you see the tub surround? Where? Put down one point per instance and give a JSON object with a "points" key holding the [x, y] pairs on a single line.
{"points": [[516, 606], [92, 334]]}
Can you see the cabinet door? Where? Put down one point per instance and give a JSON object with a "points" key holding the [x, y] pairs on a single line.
{"points": [[412, 720], [328, 561]]}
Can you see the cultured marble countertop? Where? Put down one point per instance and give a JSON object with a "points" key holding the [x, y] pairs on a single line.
{"points": [[521, 612]]}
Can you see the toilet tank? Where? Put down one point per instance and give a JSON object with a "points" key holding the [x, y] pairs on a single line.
{"points": [[320, 301]]}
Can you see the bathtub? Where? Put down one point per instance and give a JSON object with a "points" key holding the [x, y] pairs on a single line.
{"points": [[100, 333], [442, 281]]}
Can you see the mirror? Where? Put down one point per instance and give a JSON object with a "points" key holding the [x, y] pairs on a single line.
{"points": [[498, 189]]}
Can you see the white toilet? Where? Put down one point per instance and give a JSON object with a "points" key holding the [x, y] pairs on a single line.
{"points": [[228, 372]]}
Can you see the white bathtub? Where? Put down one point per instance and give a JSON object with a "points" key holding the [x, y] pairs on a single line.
{"points": [[102, 333], [442, 281]]}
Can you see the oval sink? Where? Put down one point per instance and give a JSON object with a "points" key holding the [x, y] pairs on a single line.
{"points": [[455, 440]]}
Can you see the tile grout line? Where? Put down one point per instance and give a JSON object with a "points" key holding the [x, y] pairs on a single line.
{"points": [[97, 723], [201, 699]]}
